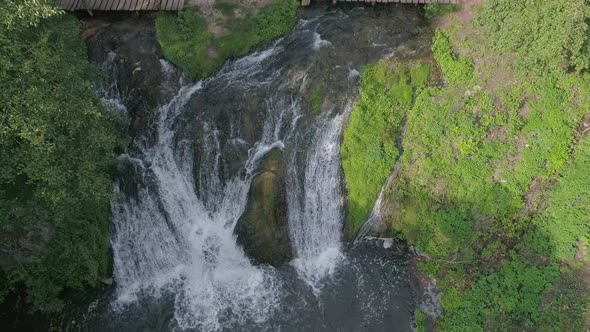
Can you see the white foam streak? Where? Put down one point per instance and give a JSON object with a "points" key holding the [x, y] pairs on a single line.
{"points": [[318, 42]]}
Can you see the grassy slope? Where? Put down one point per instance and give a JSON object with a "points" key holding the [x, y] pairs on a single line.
{"points": [[386, 94], [186, 41], [493, 183]]}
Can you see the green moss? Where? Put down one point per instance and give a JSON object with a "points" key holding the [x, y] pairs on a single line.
{"points": [[316, 99], [186, 41], [420, 318], [369, 147]]}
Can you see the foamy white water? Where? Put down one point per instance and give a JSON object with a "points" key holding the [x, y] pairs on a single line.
{"points": [[315, 218]]}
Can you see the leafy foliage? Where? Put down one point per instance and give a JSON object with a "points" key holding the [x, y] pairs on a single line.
{"points": [[186, 41], [457, 69], [17, 14], [56, 150], [560, 29]]}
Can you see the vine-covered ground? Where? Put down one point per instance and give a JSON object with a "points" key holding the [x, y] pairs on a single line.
{"points": [[493, 184]]}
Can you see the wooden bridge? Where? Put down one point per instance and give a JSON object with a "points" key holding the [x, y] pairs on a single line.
{"points": [[175, 5], [450, 2], [121, 5]]}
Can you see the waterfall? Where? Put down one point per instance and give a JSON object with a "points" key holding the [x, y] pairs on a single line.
{"points": [[178, 200], [167, 239], [175, 236], [315, 218]]}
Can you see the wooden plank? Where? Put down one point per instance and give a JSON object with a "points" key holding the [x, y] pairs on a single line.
{"points": [[172, 5], [136, 4], [66, 4], [121, 4], [78, 5], [147, 4], [113, 5], [144, 4], [107, 5], [102, 5], [73, 5], [156, 5], [177, 5]]}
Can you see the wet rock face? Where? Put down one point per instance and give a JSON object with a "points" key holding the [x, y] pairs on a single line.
{"points": [[262, 229], [126, 47]]}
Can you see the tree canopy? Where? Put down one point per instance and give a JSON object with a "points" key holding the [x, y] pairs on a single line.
{"points": [[56, 150]]}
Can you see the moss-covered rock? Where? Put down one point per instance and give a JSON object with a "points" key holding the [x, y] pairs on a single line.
{"points": [[263, 229]]}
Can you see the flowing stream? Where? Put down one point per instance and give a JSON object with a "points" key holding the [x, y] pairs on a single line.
{"points": [[185, 184]]}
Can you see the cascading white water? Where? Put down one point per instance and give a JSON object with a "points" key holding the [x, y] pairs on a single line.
{"points": [[315, 218], [167, 239]]}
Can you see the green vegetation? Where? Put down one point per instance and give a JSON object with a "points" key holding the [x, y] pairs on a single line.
{"points": [[368, 149], [56, 150], [187, 42], [493, 183], [316, 99], [227, 8], [560, 29], [435, 10], [420, 321]]}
